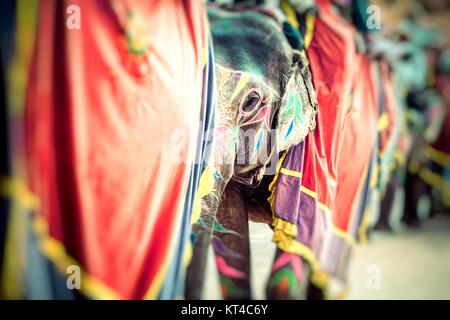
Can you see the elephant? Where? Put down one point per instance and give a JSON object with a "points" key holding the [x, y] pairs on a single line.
{"points": [[266, 103], [409, 66]]}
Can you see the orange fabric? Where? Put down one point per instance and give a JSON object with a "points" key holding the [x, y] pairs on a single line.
{"points": [[102, 141]]}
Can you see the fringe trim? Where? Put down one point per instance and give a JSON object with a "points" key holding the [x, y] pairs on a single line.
{"points": [[286, 227]]}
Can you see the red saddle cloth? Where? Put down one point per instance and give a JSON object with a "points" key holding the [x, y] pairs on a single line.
{"points": [[319, 186], [338, 152], [112, 116]]}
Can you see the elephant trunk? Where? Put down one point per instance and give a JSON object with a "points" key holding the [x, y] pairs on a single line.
{"points": [[224, 154]]}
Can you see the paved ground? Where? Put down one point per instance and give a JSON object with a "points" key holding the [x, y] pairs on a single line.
{"points": [[413, 264], [408, 264]]}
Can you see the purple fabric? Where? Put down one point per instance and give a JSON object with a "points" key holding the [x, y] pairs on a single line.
{"points": [[286, 202], [314, 225], [305, 222]]}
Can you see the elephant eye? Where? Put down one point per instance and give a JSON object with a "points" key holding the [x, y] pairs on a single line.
{"points": [[251, 101]]}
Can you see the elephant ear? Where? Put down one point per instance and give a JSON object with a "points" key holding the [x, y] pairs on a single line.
{"points": [[297, 113]]}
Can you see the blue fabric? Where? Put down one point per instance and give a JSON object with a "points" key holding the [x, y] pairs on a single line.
{"points": [[366, 194], [37, 275], [42, 280], [173, 286]]}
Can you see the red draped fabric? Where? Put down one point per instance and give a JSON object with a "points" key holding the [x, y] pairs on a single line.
{"points": [[358, 144], [319, 216], [111, 134], [332, 58]]}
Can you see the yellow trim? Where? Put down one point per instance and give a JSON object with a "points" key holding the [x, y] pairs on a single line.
{"points": [[272, 185], [16, 189], [310, 23], [55, 251], [314, 195], [287, 227], [437, 156], [436, 181], [431, 178], [153, 291], [14, 262], [205, 187], [284, 236], [284, 239], [337, 231], [204, 56], [375, 176], [285, 231], [187, 254], [206, 41], [290, 13], [291, 173], [383, 121], [364, 227], [323, 207], [344, 235]]}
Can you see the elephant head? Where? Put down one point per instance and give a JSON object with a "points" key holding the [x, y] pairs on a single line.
{"points": [[265, 104], [265, 99]]}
